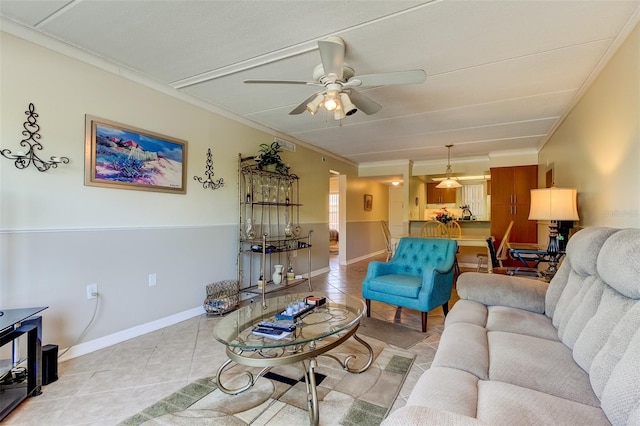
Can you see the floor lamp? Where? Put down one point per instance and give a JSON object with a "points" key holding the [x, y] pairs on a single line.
{"points": [[553, 204]]}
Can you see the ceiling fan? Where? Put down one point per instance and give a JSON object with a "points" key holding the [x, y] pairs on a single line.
{"points": [[339, 81]]}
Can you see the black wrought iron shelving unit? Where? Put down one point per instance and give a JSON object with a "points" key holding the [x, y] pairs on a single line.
{"points": [[270, 231]]}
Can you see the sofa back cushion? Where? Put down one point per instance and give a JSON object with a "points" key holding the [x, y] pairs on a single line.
{"points": [[566, 289]]}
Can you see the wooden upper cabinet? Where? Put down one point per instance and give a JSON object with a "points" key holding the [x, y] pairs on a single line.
{"points": [[440, 195], [510, 201], [501, 185]]}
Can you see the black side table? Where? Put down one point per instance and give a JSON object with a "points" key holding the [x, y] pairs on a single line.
{"points": [[15, 323]]}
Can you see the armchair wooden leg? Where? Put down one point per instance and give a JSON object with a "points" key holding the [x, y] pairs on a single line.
{"points": [[445, 308], [368, 303], [424, 322]]}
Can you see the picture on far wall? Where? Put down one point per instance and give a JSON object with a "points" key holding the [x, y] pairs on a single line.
{"points": [[120, 156], [368, 202]]}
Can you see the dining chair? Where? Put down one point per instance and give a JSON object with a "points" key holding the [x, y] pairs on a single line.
{"points": [[387, 239], [434, 229], [495, 267], [501, 254], [455, 231]]}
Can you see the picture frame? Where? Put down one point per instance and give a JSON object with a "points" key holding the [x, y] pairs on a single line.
{"points": [[125, 157], [368, 202]]}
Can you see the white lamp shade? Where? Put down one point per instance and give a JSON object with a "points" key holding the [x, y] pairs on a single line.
{"points": [[449, 183], [553, 204]]}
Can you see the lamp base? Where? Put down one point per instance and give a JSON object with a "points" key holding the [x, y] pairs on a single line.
{"points": [[553, 251]]}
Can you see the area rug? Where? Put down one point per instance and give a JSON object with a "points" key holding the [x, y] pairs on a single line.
{"points": [[388, 332], [280, 398]]}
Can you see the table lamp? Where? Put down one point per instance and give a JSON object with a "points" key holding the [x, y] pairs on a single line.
{"points": [[555, 205]]}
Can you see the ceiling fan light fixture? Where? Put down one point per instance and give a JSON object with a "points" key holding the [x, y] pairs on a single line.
{"points": [[348, 106], [312, 107], [449, 182], [339, 114], [330, 101]]}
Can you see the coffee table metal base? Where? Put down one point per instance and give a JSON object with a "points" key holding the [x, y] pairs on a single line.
{"points": [[307, 356]]}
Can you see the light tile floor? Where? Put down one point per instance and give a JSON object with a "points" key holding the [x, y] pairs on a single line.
{"points": [[108, 386]]}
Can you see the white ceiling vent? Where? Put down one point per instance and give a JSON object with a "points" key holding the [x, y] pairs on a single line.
{"points": [[286, 145]]}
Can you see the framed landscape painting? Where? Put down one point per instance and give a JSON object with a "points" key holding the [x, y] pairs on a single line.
{"points": [[120, 156]]}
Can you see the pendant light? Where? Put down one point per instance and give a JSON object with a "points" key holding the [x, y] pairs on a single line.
{"points": [[449, 182]]}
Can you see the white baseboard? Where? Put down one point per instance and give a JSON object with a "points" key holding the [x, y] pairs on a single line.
{"points": [[121, 336], [365, 257]]}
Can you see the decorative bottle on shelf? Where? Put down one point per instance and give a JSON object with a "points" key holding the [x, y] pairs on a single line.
{"points": [[288, 230], [261, 280], [290, 274], [250, 231], [277, 275]]}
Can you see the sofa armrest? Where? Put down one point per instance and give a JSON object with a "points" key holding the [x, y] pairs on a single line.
{"points": [[414, 415], [503, 290]]}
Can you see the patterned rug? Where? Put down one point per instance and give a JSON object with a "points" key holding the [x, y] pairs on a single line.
{"points": [[280, 397], [388, 332]]}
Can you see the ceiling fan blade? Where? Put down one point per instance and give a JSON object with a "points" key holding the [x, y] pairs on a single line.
{"points": [[388, 79], [364, 103], [303, 106], [332, 56], [308, 83]]}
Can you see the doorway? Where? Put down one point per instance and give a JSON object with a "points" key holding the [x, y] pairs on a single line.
{"points": [[334, 214], [396, 210]]}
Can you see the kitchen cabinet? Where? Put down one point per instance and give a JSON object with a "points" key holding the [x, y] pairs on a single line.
{"points": [[510, 200], [440, 195]]}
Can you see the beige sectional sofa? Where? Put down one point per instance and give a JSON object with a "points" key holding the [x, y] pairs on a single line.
{"points": [[518, 351]]}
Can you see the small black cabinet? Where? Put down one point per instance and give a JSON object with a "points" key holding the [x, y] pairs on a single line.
{"points": [[16, 324]]}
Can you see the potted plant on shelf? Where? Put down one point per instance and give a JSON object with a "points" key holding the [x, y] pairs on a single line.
{"points": [[269, 158]]}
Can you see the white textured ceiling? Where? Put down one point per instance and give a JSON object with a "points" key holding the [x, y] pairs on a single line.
{"points": [[500, 74]]}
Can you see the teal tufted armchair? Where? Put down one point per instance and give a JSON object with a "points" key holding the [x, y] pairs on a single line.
{"points": [[419, 276]]}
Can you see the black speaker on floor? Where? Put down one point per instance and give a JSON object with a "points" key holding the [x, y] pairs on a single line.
{"points": [[49, 364]]}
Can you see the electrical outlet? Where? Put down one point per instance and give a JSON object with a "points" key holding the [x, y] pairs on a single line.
{"points": [[152, 279], [92, 291]]}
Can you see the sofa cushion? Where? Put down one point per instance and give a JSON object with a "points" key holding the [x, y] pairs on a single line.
{"points": [[507, 404], [467, 311], [502, 318], [397, 284], [413, 415], [447, 389], [464, 347], [539, 364]]}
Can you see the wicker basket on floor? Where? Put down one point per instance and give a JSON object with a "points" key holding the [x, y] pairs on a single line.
{"points": [[222, 297]]}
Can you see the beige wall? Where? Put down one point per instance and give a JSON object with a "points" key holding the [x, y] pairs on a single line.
{"points": [[57, 236], [364, 234], [597, 147]]}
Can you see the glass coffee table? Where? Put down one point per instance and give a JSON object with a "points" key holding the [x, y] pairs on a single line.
{"points": [[317, 331]]}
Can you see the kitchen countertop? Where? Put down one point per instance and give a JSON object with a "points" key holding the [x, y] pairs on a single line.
{"points": [[459, 221]]}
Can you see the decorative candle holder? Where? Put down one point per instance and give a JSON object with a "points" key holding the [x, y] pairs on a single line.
{"points": [[22, 159]]}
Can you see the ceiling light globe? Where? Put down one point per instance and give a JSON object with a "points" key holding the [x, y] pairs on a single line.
{"points": [[348, 107], [330, 104], [312, 107]]}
